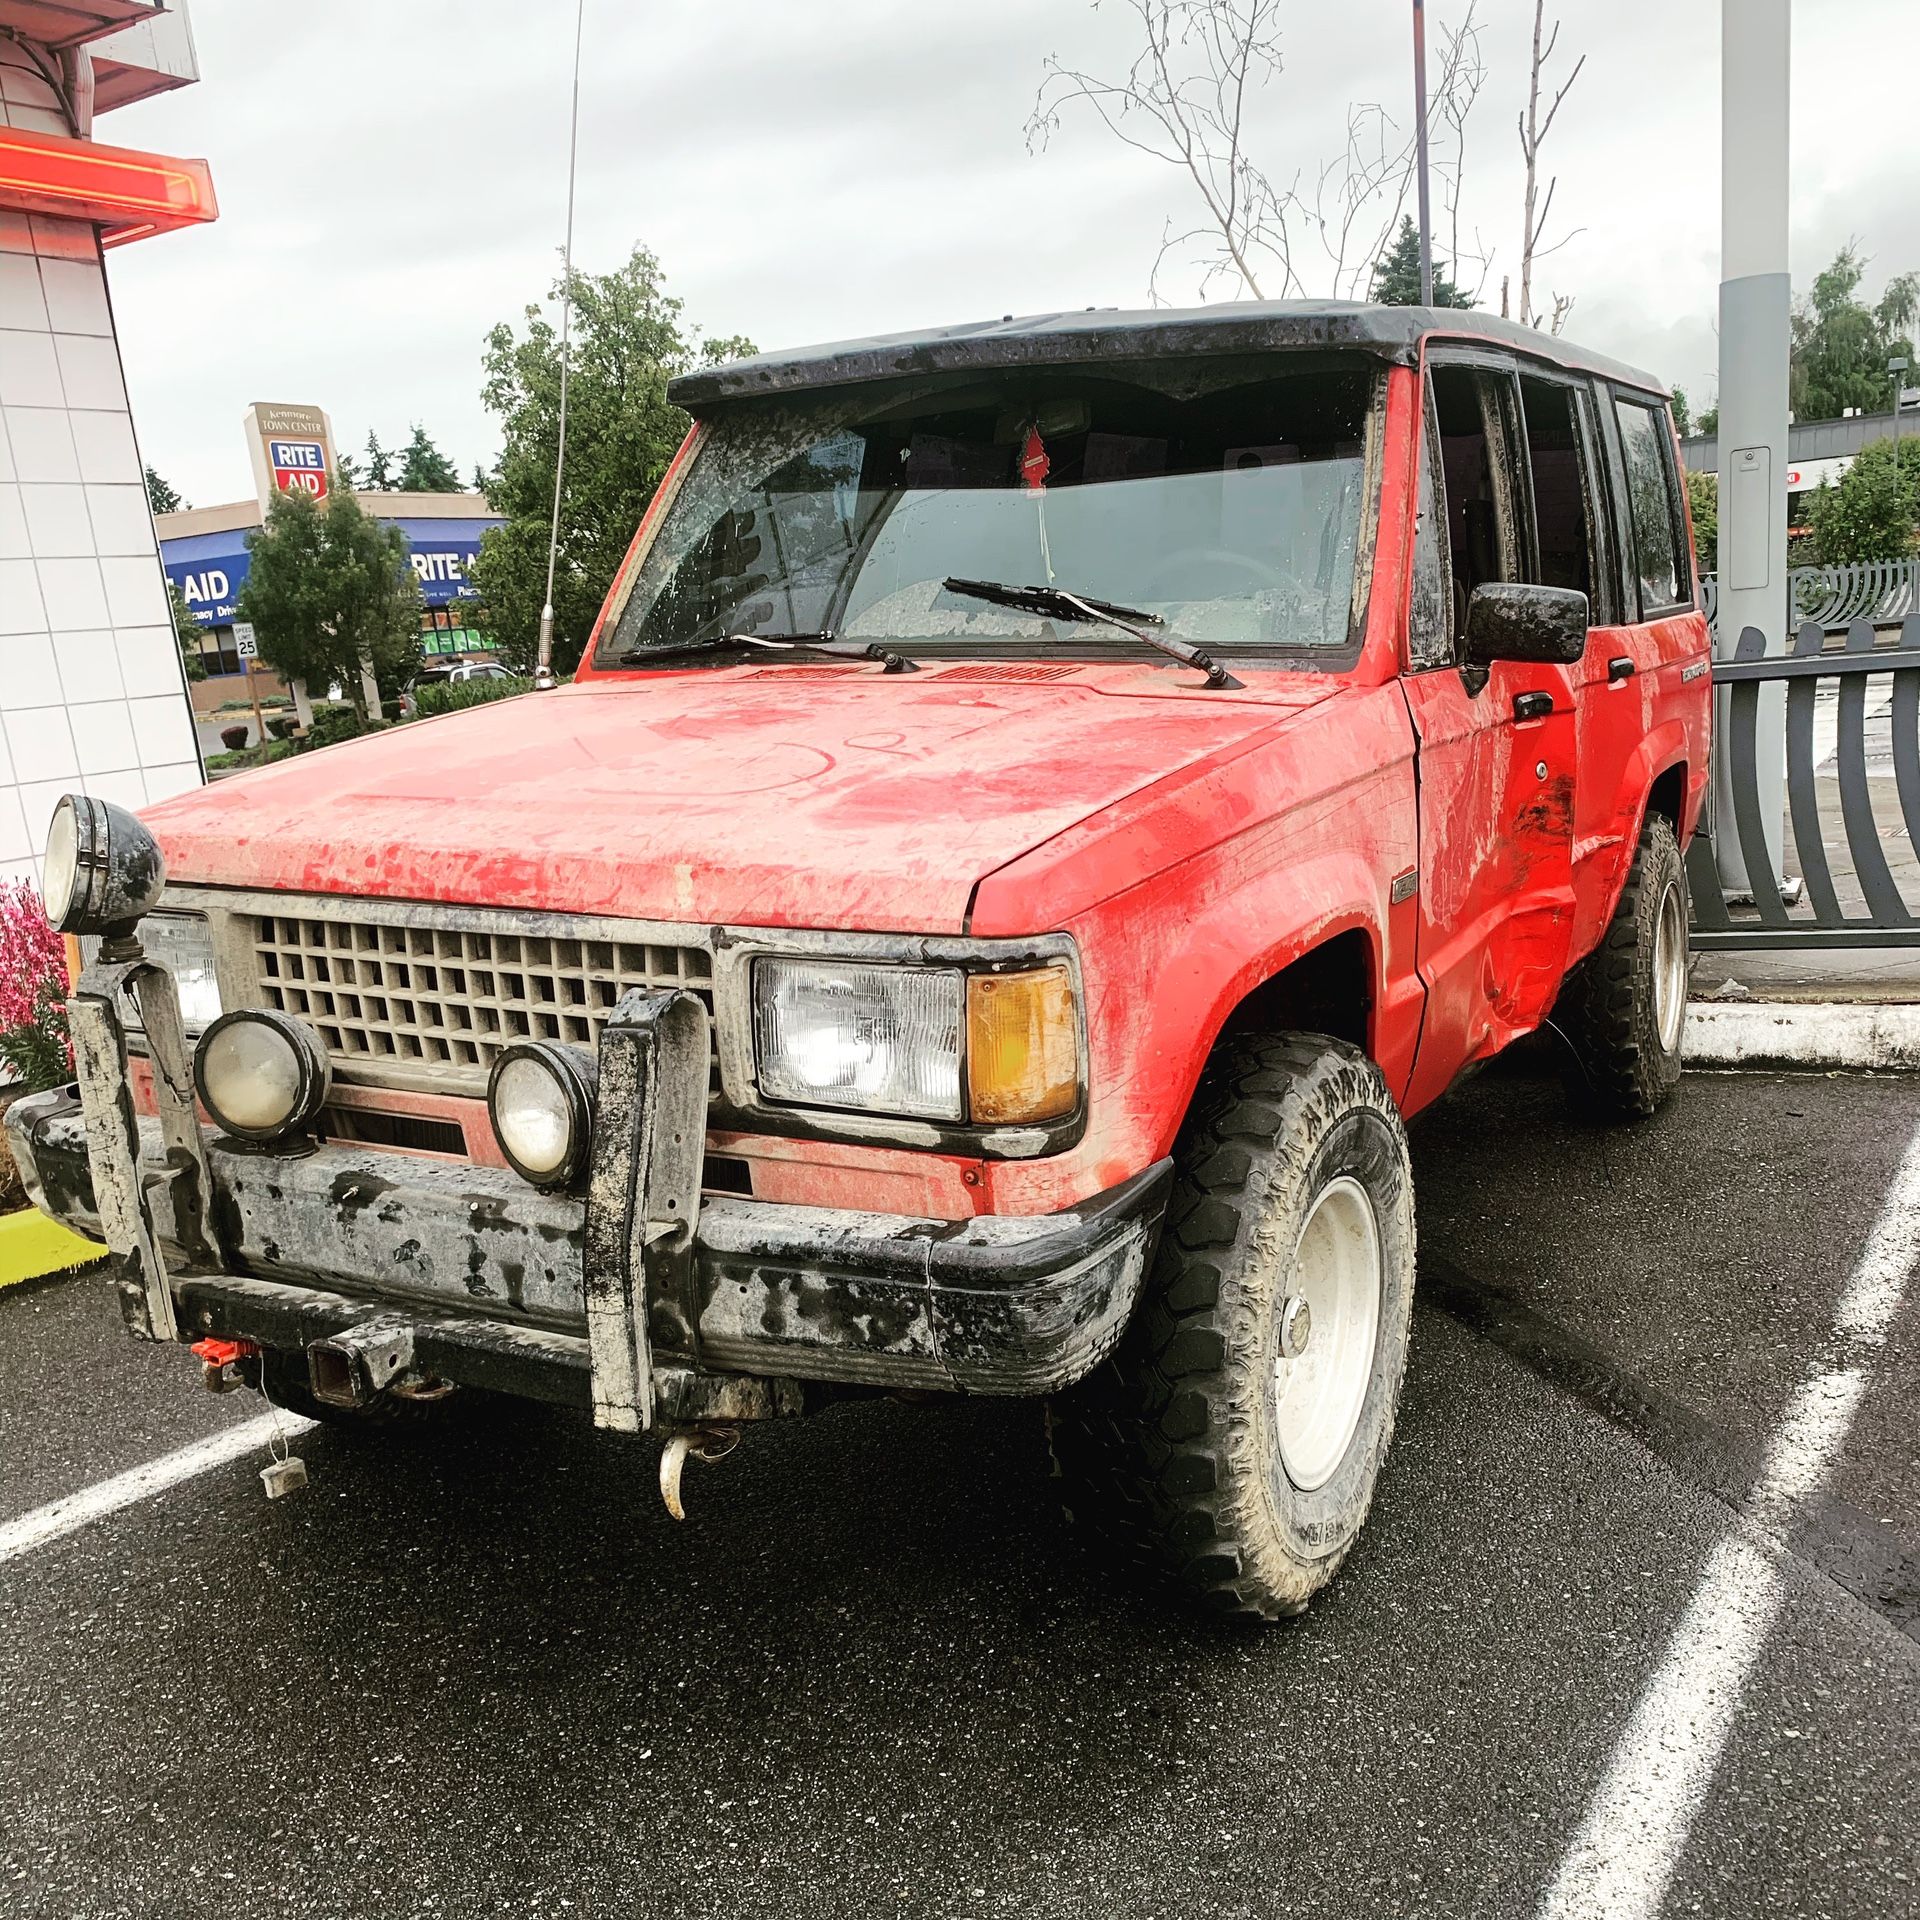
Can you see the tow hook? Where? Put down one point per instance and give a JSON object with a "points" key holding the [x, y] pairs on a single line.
{"points": [[711, 1442], [220, 1362]]}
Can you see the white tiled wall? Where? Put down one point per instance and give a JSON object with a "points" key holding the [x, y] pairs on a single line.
{"points": [[91, 693]]}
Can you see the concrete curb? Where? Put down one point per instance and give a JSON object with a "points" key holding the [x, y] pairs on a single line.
{"points": [[1810, 1034]]}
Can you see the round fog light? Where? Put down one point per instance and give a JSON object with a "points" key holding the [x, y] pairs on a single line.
{"points": [[540, 1096], [261, 1074], [102, 868]]}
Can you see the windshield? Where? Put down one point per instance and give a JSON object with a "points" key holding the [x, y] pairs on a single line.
{"points": [[1235, 509]]}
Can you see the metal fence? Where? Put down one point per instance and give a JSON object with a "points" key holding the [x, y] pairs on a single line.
{"points": [[1833, 598], [1853, 764]]}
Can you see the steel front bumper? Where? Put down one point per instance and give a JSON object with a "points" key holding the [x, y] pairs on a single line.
{"points": [[486, 1280]]}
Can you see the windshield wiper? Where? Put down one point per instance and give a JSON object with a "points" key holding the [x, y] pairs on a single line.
{"points": [[1062, 605], [817, 643]]}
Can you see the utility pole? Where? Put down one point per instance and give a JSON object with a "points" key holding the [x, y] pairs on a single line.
{"points": [[1897, 366], [1420, 142], [1756, 296]]}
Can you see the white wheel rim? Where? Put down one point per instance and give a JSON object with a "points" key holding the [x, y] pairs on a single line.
{"points": [[1337, 1271], [1670, 970]]}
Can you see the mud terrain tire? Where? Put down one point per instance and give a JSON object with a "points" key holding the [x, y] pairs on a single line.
{"points": [[1174, 1450], [1618, 1010]]}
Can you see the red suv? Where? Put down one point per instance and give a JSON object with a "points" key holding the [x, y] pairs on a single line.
{"points": [[1042, 803]]}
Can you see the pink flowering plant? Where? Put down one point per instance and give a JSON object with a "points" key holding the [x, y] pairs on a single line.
{"points": [[34, 1049]]}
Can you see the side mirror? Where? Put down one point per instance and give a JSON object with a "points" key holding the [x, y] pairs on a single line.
{"points": [[1546, 626]]}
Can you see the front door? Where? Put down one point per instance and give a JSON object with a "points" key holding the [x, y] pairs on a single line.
{"points": [[1496, 748]]}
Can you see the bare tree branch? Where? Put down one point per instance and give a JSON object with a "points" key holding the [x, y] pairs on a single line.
{"points": [[1186, 100], [1533, 133]]}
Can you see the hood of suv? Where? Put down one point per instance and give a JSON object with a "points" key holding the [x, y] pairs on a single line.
{"points": [[757, 796]]}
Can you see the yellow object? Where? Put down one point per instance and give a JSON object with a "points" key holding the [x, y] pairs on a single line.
{"points": [[1023, 1046], [31, 1246]]}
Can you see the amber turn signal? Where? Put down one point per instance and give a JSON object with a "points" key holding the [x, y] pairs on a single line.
{"points": [[1023, 1046]]}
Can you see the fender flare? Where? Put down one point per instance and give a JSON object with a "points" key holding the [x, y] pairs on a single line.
{"points": [[1229, 949], [1657, 753]]}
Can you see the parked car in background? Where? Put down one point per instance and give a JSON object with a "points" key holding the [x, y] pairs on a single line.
{"points": [[448, 673], [1042, 805]]}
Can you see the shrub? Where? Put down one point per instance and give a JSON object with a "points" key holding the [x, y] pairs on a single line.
{"points": [[331, 725], [34, 1048], [465, 693], [281, 726], [233, 738]]}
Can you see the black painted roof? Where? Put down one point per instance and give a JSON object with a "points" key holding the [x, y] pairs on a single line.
{"points": [[1074, 339]]}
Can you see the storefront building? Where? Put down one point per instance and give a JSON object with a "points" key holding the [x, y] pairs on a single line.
{"points": [[204, 552], [92, 695]]}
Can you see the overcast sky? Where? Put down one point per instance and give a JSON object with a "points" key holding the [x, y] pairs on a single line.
{"points": [[392, 178]]}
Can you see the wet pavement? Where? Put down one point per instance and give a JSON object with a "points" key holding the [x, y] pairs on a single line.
{"points": [[478, 1671]]}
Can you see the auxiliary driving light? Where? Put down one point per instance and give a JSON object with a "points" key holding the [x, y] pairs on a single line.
{"points": [[540, 1096], [261, 1074], [102, 870]]}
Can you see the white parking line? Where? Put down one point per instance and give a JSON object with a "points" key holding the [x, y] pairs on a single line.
{"points": [[93, 1503], [1637, 1823]]}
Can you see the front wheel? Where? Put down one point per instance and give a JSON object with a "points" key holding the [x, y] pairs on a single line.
{"points": [[1235, 1437]]}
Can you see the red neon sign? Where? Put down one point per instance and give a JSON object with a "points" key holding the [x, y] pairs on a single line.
{"points": [[126, 193]]}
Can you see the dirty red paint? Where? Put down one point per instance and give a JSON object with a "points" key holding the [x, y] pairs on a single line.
{"points": [[1193, 842]]}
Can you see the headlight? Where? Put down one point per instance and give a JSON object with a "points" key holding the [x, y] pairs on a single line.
{"points": [[933, 1043], [540, 1096], [261, 1074], [877, 1039], [102, 869], [183, 943]]}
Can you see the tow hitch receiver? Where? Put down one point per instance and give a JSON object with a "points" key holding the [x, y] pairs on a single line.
{"points": [[360, 1362]]}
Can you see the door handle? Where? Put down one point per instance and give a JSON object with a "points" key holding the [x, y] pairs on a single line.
{"points": [[1532, 706], [1618, 669]]}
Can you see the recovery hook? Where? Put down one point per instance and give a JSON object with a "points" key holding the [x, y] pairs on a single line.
{"points": [[703, 1443]]}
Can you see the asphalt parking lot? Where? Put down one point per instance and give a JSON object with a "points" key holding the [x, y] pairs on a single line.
{"points": [[481, 1672]]}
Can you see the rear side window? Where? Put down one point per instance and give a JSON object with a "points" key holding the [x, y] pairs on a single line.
{"points": [[1565, 520], [1653, 506]]}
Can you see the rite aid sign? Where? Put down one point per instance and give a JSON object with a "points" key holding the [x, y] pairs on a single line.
{"points": [[211, 568], [291, 449], [298, 466]]}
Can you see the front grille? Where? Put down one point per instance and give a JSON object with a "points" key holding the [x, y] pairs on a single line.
{"points": [[450, 997]]}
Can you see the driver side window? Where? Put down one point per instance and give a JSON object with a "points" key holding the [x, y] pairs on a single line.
{"points": [[1473, 408]]}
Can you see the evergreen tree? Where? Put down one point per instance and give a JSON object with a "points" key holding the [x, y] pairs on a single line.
{"points": [[1396, 274], [379, 466], [424, 468], [161, 497]]}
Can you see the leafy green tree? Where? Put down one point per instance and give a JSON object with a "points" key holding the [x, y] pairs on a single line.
{"points": [[1870, 515], [330, 587], [1703, 504], [160, 496], [1396, 274], [629, 340], [186, 630], [424, 468], [1709, 421], [1682, 413], [1841, 345]]}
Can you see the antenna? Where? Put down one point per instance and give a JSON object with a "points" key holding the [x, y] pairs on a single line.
{"points": [[543, 662]]}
